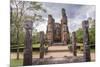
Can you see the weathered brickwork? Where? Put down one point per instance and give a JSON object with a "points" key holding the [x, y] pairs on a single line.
{"points": [[58, 32]]}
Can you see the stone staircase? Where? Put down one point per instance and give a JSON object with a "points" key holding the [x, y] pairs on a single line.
{"points": [[58, 51], [58, 48]]}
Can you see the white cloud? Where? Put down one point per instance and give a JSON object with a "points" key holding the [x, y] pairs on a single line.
{"points": [[74, 20]]}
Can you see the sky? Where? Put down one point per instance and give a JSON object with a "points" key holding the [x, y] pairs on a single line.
{"points": [[76, 13]]}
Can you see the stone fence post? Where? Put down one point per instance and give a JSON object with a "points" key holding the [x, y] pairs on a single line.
{"points": [[41, 44], [85, 26], [74, 48], [27, 60]]}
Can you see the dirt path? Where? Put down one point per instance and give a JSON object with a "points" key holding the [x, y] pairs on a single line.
{"points": [[54, 54]]}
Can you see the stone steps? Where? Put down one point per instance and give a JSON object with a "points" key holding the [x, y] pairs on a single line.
{"points": [[58, 44], [58, 49], [57, 54]]}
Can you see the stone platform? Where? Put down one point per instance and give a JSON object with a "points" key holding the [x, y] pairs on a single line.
{"points": [[71, 59]]}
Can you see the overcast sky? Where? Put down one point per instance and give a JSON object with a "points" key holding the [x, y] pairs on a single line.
{"points": [[76, 14]]}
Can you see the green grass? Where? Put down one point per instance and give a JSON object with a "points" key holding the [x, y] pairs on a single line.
{"points": [[36, 45], [22, 46], [92, 50], [16, 63]]}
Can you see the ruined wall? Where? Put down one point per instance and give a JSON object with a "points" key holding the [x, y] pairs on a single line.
{"points": [[57, 32], [50, 29], [64, 28]]}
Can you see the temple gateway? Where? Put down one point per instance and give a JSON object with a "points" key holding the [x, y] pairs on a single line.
{"points": [[58, 33]]}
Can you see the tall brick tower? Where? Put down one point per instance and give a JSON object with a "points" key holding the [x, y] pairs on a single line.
{"points": [[50, 29], [64, 27]]}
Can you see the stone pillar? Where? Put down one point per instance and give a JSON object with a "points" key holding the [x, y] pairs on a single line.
{"points": [[64, 34], [50, 29], [85, 26], [64, 27], [46, 45], [28, 43], [74, 49], [42, 44]]}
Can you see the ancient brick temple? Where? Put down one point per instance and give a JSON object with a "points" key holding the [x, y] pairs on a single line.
{"points": [[58, 32]]}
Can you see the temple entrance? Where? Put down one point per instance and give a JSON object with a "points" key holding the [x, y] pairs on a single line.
{"points": [[57, 33]]}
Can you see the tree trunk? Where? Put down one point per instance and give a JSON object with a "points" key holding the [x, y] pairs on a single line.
{"points": [[17, 42]]}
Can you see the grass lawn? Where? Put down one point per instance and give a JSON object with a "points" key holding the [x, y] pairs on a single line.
{"points": [[36, 45], [22, 46], [16, 63]]}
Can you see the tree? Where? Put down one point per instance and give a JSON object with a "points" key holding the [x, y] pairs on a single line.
{"points": [[92, 35], [19, 12], [35, 37], [91, 32], [79, 35]]}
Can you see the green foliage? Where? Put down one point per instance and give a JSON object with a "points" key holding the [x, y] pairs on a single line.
{"points": [[14, 36], [18, 13], [36, 38], [79, 35], [92, 35]]}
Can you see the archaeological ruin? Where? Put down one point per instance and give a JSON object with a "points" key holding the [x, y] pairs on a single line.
{"points": [[58, 32]]}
